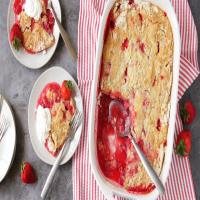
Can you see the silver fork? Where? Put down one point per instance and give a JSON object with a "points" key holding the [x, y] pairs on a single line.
{"points": [[1, 103], [73, 128], [3, 126], [3, 121]]}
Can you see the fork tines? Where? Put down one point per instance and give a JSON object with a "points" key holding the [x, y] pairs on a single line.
{"points": [[1, 103], [76, 120], [3, 126]]}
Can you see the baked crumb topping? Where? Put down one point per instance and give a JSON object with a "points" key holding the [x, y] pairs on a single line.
{"points": [[60, 124], [37, 35]]}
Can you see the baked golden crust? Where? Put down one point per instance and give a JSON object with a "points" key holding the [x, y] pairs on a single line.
{"points": [[137, 66], [35, 37], [60, 122], [38, 39]]}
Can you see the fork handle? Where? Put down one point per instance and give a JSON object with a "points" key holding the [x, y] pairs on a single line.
{"points": [[65, 36], [52, 173], [149, 169], [49, 181]]}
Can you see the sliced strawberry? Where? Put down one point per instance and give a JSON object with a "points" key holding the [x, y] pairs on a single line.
{"points": [[183, 143], [17, 6], [187, 112]]}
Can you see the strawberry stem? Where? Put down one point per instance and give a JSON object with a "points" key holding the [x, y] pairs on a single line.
{"points": [[69, 84], [184, 114], [16, 43], [22, 167], [180, 148]]}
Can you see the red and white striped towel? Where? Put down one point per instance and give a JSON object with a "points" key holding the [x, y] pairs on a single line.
{"points": [[179, 185]]}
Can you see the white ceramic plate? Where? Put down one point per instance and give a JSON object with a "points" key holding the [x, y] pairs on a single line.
{"points": [[33, 61], [8, 142], [110, 189], [54, 74]]}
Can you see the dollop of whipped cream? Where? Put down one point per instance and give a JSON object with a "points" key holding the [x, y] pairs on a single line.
{"points": [[33, 8], [43, 122]]}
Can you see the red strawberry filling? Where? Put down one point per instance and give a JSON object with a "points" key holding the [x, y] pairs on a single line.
{"points": [[111, 148], [125, 44], [140, 17], [49, 24], [130, 2], [17, 6], [53, 89], [158, 126], [110, 25]]}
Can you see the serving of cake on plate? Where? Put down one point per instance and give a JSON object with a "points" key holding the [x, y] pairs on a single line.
{"points": [[33, 27], [136, 70], [54, 111]]}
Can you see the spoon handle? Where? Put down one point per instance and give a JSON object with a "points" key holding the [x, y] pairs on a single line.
{"points": [[149, 169], [65, 36]]}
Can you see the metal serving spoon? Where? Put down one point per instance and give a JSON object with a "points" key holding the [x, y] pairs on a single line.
{"points": [[127, 133]]}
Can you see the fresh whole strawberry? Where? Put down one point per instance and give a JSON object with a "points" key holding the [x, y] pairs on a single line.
{"points": [[66, 89], [16, 37], [183, 143], [27, 173], [187, 113]]}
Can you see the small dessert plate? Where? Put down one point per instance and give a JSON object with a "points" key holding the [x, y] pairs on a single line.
{"points": [[54, 74], [8, 142], [38, 60]]}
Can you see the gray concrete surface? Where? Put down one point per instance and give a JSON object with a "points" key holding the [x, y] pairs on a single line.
{"points": [[16, 82]]}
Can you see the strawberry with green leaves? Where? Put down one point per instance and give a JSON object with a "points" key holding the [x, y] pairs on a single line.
{"points": [[16, 37], [187, 112], [28, 175], [183, 143], [66, 89]]}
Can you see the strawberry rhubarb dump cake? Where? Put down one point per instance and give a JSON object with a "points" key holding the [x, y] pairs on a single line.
{"points": [[33, 28], [54, 111], [136, 70]]}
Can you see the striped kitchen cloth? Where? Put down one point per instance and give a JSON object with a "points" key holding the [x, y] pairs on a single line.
{"points": [[179, 184]]}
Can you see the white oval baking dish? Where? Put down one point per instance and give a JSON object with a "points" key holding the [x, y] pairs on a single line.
{"points": [[107, 188]]}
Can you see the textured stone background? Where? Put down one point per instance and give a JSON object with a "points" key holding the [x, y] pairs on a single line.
{"points": [[16, 82]]}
